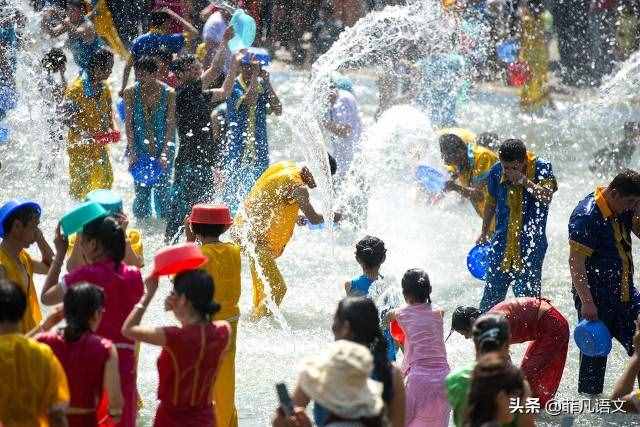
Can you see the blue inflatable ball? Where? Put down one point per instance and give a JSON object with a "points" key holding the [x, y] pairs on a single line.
{"points": [[478, 260], [592, 338]]}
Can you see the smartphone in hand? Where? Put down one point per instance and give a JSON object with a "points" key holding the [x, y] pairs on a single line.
{"points": [[285, 400]]}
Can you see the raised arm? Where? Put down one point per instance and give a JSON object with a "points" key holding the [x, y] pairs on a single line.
{"points": [[186, 24], [131, 327], [42, 267], [216, 67], [52, 291], [221, 94], [125, 76]]}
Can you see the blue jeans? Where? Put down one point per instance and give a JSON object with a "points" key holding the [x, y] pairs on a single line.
{"points": [[526, 283]]}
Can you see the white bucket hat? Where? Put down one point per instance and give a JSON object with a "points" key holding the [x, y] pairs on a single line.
{"points": [[338, 379]]}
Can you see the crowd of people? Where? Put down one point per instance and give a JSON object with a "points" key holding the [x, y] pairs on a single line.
{"points": [[196, 112]]}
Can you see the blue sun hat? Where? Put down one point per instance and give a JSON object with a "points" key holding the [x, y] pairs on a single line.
{"points": [[13, 205], [107, 199]]}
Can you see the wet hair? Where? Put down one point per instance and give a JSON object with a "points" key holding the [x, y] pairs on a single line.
{"points": [[101, 58], [164, 55], [371, 252], [489, 140], [158, 18], [198, 287], [362, 315], [491, 375], [181, 64], [463, 318], [54, 60], [333, 165], [209, 230], [23, 214], [490, 333], [512, 150], [81, 302], [450, 143], [626, 183], [145, 63], [109, 234], [13, 302], [416, 284]]}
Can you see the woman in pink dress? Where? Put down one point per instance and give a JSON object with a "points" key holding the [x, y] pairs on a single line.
{"points": [[425, 363], [103, 242], [89, 361]]}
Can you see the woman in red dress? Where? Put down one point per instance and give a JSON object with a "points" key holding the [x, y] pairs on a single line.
{"points": [[89, 361], [191, 353]]}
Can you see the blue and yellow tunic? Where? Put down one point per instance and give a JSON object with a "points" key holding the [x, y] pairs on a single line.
{"points": [[520, 239], [605, 239]]}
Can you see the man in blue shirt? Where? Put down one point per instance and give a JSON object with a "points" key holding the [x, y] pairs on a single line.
{"points": [[519, 190], [158, 37], [601, 266]]}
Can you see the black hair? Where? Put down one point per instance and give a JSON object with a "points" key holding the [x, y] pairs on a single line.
{"points": [[512, 150], [23, 214], [362, 315], [370, 251], [54, 60], [626, 183], [101, 58], [158, 18], [13, 302], [490, 332], [209, 230], [198, 287], [145, 63], [80, 4], [416, 284], [164, 54], [491, 375], [450, 143], [333, 165], [81, 302], [180, 65], [489, 140], [109, 234], [463, 318]]}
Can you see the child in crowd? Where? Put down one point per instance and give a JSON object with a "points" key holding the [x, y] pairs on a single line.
{"points": [[425, 365], [19, 229], [191, 353], [112, 203], [104, 244], [52, 95], [150, 125], [370, 254], [89, 361], [206, 224], [616, 157]]}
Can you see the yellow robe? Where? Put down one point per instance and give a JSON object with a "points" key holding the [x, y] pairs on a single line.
{"points": [[224, 267], [103, 21], [32, 315], [535, 93]]}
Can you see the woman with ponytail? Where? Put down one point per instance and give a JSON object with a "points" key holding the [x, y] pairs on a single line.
{"points": [[191, 354], [89, 361], [357, 320], [103, 242], [425, 363]]}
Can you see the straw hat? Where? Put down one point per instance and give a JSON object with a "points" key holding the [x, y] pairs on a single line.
{"points": [[338, 379]]}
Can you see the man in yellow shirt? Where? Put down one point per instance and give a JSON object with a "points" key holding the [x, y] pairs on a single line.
{"points": [[19, 229], [33, 390], [469, 165], [206, 224], [267, 221]]}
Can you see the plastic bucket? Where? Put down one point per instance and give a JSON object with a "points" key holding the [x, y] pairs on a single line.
{"points": [[431, 179], [396, 331], [175, 259], [257, 54], [507, 51], [210, 214], [592, 338], [78, 217], [518, 74], [146, 170], [478, 260], [107, 199], [244, 28]]}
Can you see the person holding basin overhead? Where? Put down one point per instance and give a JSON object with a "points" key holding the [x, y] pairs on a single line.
{"points": [[601, 265], [266, 223], [19, 229], [112, 203], [519, 191]]}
